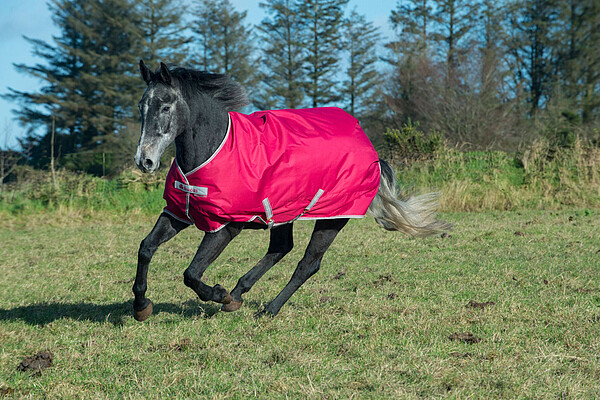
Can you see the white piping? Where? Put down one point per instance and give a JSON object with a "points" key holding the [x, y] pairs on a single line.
{"points": [[216, 151], [177, 218]]}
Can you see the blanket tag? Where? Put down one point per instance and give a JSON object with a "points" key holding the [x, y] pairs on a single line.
{"points": [[196, 190]]}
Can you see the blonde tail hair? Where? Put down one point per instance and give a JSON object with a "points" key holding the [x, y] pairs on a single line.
{"points": [[414, 216]]}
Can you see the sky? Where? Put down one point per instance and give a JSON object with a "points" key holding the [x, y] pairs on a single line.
{"points": [[32, 18]]}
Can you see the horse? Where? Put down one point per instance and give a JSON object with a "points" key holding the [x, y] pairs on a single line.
{"points": [[195, 109]]}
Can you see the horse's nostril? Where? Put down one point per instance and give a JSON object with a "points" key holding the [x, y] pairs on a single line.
{"points": [[148, 163]]}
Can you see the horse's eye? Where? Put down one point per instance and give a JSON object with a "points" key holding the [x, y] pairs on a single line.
{"points": [[165, 109]]}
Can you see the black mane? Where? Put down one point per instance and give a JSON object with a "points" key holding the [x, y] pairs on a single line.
{"points": [[219, 86]]}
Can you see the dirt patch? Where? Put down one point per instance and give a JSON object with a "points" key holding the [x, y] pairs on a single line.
{"points": [[6, 391], [174, 345], [465, 337], [383, 279], [457, 354], [445, 235], [326, 299], [479, 306], [339, 275], [180, 345], [37, 362], [519, 233]]}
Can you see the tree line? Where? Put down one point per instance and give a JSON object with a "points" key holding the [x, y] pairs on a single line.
{"points": [[483, 73]]}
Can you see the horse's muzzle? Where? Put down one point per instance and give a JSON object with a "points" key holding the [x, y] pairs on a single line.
{"points": [[146, 164]]}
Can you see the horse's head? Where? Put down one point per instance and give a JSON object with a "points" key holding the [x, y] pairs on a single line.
{"points": [[164, 114]]}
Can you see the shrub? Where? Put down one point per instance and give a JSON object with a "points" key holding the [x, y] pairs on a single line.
{"points": [[409, 143]]}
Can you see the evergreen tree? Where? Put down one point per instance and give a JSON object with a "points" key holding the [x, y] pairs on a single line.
{"points": [[412, 20], [322, 42], [163, 31], [578, 55], [530, 47], [455, 21], [225, 41], [283, 55], [89, 81], [361, 40]]}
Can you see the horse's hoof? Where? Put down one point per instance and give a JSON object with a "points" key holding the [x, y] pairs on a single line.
{"points": [[225, 296], [143, 315], [233, 305], [227, 300]]}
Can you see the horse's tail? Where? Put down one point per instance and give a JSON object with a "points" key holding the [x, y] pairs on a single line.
{"points": [[415, 215]]}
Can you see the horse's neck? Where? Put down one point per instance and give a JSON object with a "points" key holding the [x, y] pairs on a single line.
{"points": [[201, 140]]}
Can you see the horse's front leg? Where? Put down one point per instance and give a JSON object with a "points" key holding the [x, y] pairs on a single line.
{"points": [[211, 247], [165, 228]]}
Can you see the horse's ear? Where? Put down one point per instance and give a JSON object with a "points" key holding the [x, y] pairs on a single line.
{"points": [[165, 74], [145, 71]]}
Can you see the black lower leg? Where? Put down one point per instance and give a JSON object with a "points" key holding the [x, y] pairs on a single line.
{"points": [[281, 243], [165, 228], [211, 247], [323, 235]]}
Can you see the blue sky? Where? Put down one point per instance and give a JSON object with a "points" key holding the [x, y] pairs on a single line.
{"points": [[31, 18]]}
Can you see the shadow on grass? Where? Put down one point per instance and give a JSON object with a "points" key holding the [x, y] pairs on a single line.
{"points": [[115, 313]]}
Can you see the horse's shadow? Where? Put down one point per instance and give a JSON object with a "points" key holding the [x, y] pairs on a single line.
{"points": [[115, 313]]}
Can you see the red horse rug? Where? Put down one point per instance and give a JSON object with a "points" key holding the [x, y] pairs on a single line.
{"points": [[274, 167]]}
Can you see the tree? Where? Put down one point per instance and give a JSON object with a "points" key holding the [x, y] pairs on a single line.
{"points": [[163, 31], [530, 47], [283, 55], [90, 86], [412, 20], [225, 41], [455, 20], [578, 55], [360, 41], [322, 43]]}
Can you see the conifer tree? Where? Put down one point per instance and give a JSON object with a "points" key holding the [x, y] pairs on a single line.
{"points": [[455, 22], [360, 41], [224, 41], [89, 84], [163, 31], [530, 47], [322, 42], [413, 21], [283, 55]]}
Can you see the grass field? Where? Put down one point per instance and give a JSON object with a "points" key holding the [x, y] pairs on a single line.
{"points": [[378, 321]]}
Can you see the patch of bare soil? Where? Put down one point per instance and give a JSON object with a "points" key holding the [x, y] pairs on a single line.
{"points": [[37, 362], [383, 279], [465, 337], [519, 233], [6, 391], [461, 355], [339, 275], [477, 305]]}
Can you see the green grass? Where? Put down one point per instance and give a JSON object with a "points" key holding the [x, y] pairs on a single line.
{"points": [[373, 323]]}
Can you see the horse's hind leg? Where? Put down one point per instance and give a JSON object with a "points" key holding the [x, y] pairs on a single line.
{"points": [[281, 243], [165, 228], [323, 235], [210, 248]]}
